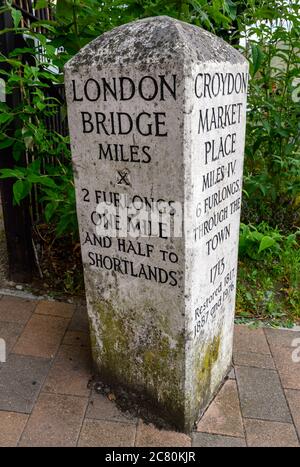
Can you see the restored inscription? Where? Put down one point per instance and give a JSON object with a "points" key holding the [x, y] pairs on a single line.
{"points": [[220, 145]]}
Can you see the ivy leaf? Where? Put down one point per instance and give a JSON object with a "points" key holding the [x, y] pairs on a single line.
{"points": [[21, 189], [40, 105], [16, 16]]}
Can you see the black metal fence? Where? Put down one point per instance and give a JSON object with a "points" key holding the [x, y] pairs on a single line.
{"points": [[19, 220]]}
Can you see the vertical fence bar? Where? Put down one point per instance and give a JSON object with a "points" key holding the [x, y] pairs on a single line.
{"points": [[17, 219]]}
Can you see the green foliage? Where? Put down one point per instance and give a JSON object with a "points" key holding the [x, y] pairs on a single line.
{"points": [[268, 290], [268, 285], [255, 242], [272, 164], [76, 23]]}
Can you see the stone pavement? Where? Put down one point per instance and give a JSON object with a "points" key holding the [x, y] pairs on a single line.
{"points": [[44, 399]]}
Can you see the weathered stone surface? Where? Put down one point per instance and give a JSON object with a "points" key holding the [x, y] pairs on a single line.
{"points": [[154, 40], [157, 120]]}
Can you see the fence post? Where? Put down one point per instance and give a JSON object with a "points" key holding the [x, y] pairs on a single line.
{"points": [[17, 219]]}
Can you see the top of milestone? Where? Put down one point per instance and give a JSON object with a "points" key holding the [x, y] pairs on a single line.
{"points": [[153, 40]]}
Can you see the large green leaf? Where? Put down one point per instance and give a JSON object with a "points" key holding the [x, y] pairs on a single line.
{"points": [[257, 58], [11, 173], [21, 189], [266, 242], [16, 16], [64, 9], [6, 143]]}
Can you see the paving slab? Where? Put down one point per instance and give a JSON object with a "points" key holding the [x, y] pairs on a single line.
{"points": [[290, 380], [67, 411], [150, 436], [281, 337], [287, 365], [261, 394], [79, 338], [60, 309], [55, 421], [12, 425], [247, 339], [70, 372], [16, 310], [10, 332], [257, 360], [21, 381], [208, 440], [41, 336], [99, 433], [79, 321], [101, 408], [261, 433], [224, 415], [293, 398]]}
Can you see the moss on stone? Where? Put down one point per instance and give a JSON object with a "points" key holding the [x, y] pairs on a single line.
{"points": [[146, 359], [203, 371], [149, 360]]}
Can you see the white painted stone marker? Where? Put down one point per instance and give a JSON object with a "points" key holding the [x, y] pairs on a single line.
{"points": [[157, 114]]}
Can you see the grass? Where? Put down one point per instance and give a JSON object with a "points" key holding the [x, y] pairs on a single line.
{"points": [[268, 287]]}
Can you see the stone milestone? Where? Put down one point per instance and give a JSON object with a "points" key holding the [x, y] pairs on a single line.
{"points": [[157, 114]]}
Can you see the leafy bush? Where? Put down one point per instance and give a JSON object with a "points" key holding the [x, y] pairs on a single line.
{"points": [[76, 23], [272, 165], [268, 276], [272, 157], [255, 242]]}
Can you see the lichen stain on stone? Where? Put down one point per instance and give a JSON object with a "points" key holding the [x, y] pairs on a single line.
{"points": [[155, 39], [203, 370], [147, 360]]}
